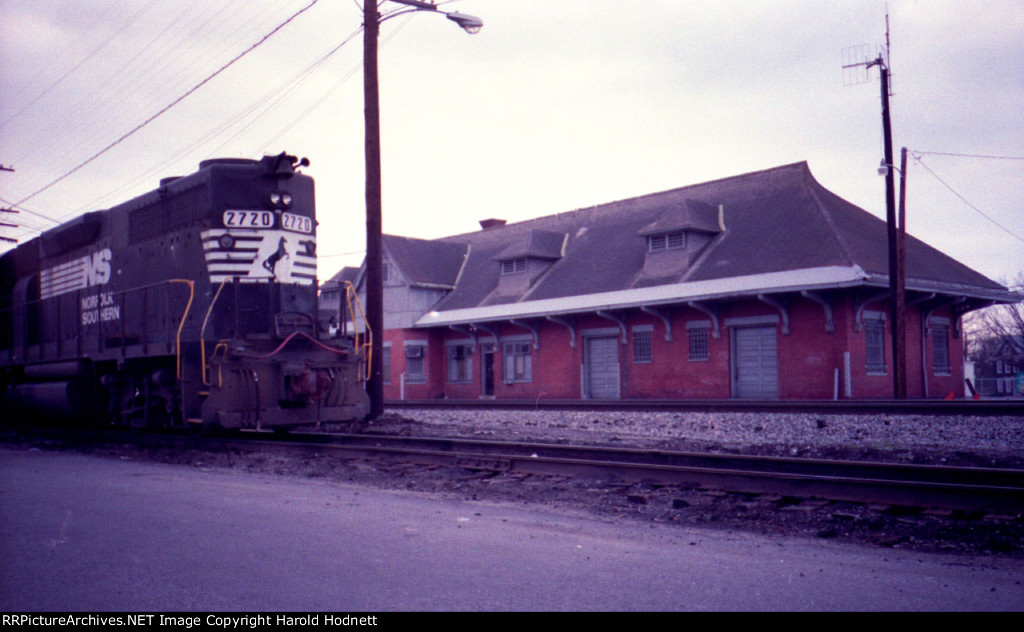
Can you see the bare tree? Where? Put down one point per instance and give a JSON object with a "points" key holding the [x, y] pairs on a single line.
{"points": [[997, 325]]}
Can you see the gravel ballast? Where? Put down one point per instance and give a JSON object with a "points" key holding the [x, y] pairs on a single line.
{"points": [[951, 440]]}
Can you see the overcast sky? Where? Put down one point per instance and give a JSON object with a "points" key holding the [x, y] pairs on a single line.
{"points": [[553, 106]]}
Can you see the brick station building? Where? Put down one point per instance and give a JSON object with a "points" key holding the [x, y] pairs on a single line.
{"points": [[764, 285]]}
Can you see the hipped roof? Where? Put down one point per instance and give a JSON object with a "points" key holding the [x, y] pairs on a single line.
{"points": [[778, 227]]}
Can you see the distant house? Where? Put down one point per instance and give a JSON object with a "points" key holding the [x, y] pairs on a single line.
{"points": [[999, 371], [333, 304], [764, 285]]}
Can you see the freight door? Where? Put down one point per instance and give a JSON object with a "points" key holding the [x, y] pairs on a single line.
{"points": [[755, 363], [602, 368]]}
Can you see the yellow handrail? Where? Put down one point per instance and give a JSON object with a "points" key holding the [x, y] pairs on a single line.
{"points": [[223, 344], [177, 341], [350, 295], [202, 332]]}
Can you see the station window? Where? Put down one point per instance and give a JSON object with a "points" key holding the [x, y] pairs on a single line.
{"points": [[642, 352], [460, 364], [385, 359], [415, 364], [940, 349], [874, 346], [698, 344], [518, 362]]}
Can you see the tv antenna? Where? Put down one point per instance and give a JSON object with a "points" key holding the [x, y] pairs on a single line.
{"points": [[857, 61], [855, 65]]}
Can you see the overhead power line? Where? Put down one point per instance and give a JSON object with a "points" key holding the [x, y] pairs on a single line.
{"points": [[89, 56], [285, 91], [940, 153], [22, 209], [189, 47], [272, 96], [173, 103], [917, 159]]}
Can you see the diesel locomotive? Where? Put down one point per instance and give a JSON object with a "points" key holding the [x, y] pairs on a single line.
{"points": [[193, 304]]}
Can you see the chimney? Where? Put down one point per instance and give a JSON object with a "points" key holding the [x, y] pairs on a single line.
{"points": [[488, 224]]}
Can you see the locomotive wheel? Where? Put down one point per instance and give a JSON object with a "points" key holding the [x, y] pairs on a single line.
{"points": [[143, 401]]}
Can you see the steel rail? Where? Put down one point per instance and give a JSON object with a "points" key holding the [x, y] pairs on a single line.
{"points": [[968, 489], [994, 490]]}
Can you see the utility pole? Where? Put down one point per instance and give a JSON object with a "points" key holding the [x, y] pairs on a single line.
{"points": [[7, 210], [899, 347], [373, 281], [899, 378], [896, 247], [8, 225]]}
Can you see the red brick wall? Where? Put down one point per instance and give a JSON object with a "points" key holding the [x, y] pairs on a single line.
{"points": [[671, 373], [808, 357], [556, 366], [881, 386], [433, 361]]}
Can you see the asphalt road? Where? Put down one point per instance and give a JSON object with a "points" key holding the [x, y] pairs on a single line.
{"points": [[81, 533]]}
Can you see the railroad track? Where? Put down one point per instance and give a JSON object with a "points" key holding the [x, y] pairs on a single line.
{"points": [[991, 490], [876, 406], [968, 489]]}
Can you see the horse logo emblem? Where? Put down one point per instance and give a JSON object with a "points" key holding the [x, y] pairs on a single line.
{"points": [[270, 263]]}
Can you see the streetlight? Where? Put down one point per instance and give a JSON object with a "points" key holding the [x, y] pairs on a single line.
{"points": [[470, 24], [374, 247]]}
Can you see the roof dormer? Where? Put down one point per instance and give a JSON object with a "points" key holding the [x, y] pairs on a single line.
{"points": [[677, 236], [526, 257], [535, 244]]}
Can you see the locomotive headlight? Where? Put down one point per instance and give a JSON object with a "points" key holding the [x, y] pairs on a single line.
{"points": [[281, 199], [227, 242]]}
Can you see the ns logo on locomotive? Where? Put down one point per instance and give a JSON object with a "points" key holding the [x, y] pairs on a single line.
{"points": [[195, 303]]}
